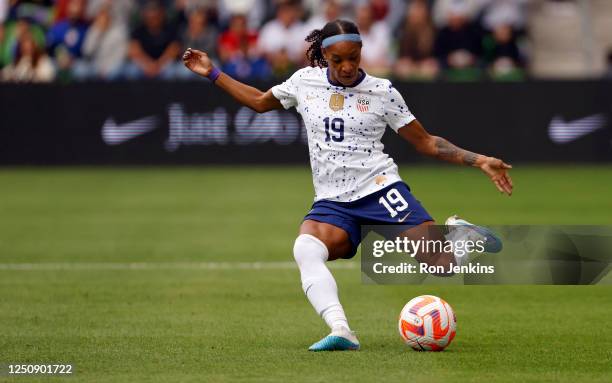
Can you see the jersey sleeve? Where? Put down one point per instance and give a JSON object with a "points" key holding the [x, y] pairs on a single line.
{"points": [[287, 91], [396, 113]]}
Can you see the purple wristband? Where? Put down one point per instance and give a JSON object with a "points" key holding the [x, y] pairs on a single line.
{"points": [[214, 74]]}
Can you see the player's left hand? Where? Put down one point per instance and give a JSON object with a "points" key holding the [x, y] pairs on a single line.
{"points": [[497, 170]]}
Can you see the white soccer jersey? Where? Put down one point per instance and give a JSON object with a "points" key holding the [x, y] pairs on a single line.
{"points": [[345, 126]]}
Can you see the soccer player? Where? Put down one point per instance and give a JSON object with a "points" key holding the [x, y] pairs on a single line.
{"points": [[346, 112]]}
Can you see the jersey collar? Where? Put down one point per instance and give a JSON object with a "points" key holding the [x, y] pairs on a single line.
{"points": [[362, 75]]}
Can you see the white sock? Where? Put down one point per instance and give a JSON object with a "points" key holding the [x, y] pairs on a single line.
{"points": [[318, 283]]}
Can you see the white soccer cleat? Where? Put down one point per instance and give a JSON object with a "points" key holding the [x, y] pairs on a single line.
{"points": [[471, 232], [340, 339]]}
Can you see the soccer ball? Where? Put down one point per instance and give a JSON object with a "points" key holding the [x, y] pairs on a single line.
{"points": [[427, 323]]}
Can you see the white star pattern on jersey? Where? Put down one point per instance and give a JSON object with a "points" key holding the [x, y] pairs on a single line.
{"points": [[346, 152]]}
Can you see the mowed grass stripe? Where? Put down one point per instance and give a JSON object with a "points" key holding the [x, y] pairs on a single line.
{"points": [[79, 266]]}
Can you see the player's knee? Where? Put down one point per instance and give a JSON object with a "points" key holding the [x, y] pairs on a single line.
{"points": [[307, 248]]}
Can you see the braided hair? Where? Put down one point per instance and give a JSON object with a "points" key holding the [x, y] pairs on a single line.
{"points": [[316, 37]]}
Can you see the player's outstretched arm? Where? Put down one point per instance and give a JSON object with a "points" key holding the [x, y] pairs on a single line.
{"points": [[199, 62], [438, 147]]}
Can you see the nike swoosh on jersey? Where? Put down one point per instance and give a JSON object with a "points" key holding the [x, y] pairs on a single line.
{"points": [[404, 217], [563, 132], [114, 134]]}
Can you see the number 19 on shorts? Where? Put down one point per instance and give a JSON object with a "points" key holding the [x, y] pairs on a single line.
{"points": [[393, 202]]}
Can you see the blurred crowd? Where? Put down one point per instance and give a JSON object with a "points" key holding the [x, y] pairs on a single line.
{"points": [[80, 40]]}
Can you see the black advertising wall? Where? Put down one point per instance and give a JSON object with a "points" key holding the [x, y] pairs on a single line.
{"points": [[195, 123]]}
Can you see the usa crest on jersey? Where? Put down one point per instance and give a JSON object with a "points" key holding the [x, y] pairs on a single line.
{"points": [[363, 104]]}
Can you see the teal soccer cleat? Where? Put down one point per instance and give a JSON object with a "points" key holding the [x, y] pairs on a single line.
{"points": [[469, 231], [340, 339]]}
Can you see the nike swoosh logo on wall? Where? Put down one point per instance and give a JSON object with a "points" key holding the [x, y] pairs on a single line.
{"points": [[404, 217], [563, 132], [114, 134]]}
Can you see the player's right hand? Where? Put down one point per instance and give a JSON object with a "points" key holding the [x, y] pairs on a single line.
{"points": [[197, 61]]}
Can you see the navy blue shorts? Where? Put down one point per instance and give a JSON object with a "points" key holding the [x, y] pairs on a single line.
{"points": [[394, 204]]}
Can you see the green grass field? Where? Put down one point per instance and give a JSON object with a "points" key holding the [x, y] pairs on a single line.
{"points": [[166, 319]]}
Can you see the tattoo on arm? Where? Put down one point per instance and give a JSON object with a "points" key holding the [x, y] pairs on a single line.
{"points": [[469, 158], [449, 152]]}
